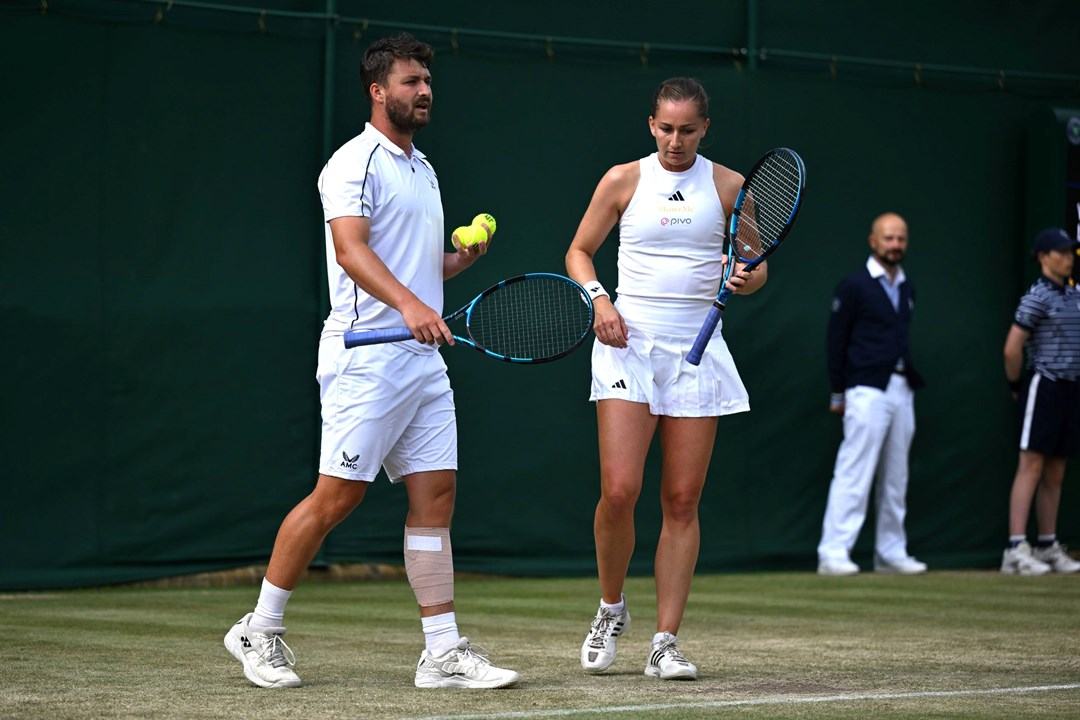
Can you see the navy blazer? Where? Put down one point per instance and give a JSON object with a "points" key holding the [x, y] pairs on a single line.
{"points": [[866, 337]]}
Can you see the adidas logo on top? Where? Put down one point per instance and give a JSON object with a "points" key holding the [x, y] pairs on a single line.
{"points": [[621, 385], [677, 196]]}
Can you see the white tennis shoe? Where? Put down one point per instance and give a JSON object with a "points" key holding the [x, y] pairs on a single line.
{"points": [[267, 660], [462, 667], [1057, 558], [598, 650], [905, 565], [668, 663], [837, 567], [1020, 561]]}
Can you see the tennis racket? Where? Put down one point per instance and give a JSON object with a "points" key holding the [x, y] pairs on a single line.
{"points": [[765, 210], [532, 318]]}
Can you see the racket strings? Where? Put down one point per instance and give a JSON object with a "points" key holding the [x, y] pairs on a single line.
{"points": [[771, 198], [534, 318]]}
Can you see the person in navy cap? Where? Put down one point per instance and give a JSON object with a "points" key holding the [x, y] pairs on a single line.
{"points": [[1047, 326]]}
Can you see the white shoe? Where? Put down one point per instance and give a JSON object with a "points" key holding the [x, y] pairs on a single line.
{"points": [[1020, 561], [667, 663], [598, 650], [462, 667], [267, 660], [837, 567], [1057, 557], [906, 565]]}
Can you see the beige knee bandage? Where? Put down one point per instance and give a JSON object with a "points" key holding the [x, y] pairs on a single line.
{"points": [[429, 565]]}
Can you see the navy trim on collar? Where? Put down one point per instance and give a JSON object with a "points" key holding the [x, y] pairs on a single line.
{"points": [[1047, 281]]}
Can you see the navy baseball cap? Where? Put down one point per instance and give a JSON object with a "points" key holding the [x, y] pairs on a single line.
{"points": [[1052, 239]]}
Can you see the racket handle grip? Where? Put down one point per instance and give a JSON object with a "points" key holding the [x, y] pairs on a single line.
{"points": [[356, 338], [705, 334]]}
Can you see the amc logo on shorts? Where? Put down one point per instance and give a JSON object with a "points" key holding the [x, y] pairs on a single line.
{"points": [[674, 221]]}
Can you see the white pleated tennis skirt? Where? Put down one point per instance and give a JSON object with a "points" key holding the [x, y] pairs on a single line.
{"points": [[652, 369]]}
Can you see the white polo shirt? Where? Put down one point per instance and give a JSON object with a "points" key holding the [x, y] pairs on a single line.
{"points": [[371, 177]]}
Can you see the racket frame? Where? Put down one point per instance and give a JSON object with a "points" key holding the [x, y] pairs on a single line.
{"points": [[357, 338], [717, 309]]}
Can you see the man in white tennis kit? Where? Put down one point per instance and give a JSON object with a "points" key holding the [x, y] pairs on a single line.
{"points": [[383, 406]]}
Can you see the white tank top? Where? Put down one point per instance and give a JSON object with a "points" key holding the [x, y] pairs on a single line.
{"points": [[671, 237]]}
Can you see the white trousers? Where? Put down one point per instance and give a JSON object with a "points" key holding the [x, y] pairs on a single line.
{"points": [[878, 427]]}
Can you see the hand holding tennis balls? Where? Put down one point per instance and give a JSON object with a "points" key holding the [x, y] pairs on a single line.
{"points": [[468, 236], [481, 230], [485, 219]]}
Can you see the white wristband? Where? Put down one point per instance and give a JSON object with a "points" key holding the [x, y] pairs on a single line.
{"points": [[595, 290]]}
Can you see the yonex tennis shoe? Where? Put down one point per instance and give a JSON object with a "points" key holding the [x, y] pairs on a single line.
{"points": [[1057, 558], [267, 660], [598, 650], [667, 663], [1020, 561], [462, 667]]}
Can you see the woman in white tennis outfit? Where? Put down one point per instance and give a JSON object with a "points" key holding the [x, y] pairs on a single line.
{"points": [[671, 208]]}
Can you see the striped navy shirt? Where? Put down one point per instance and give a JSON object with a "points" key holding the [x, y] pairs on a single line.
{"points": [[1051, 313]]}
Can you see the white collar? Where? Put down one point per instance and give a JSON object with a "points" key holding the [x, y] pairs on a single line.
{"points": [[877, 270], [389, 145]]}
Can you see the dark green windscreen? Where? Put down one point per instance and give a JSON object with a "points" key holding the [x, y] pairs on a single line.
{"points": [[162, 268]]}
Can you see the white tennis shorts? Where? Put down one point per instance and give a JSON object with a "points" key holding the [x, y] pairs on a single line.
{"points": [[384, 406], [652, 369]]}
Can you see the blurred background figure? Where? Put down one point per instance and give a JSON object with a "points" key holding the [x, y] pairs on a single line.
{"points": [[1047, 323], [873, 381]]}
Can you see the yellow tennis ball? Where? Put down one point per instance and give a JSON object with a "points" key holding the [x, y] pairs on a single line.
{"points": [[486, 219], [470, 235]]}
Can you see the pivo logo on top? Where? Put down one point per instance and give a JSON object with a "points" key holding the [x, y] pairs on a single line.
{"points": [[678, 207]]}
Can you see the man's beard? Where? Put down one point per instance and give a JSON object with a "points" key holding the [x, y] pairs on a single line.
{"points": [[891, 259], [402, 117]]}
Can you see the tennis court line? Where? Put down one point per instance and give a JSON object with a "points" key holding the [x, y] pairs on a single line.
{"points": [[753, 701]]}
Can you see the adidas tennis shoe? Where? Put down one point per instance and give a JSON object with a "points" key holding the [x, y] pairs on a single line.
{"points": [[1019, 561], [598, 650], [668, 663], [267, 660], [1057, 557], [464, 666]]}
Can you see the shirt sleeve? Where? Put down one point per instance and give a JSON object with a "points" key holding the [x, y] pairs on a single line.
{"points": [[346, 192], [1030, 312], [841, 317]]}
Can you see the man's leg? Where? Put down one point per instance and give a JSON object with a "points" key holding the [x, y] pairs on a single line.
{"points": [[448, 660], [256, 640], [892, 481], [429, 560], [866, 421], [305, 528]]}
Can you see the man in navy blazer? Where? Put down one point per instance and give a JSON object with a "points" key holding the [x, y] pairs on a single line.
{"points": [[873, 379]]}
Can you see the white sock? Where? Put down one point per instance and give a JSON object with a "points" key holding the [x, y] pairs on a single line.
{"points": [[270, 612], [1015, 540], [617, 608], [662, 637], [440, 633]]}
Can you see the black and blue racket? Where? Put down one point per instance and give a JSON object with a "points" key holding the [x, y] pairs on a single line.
{"points": [[532, 318], [765, 210]]}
